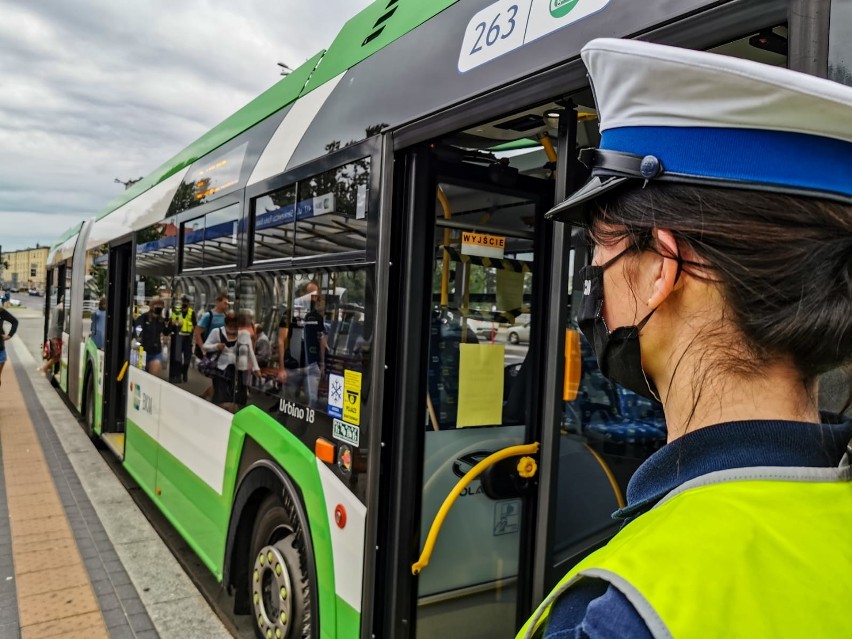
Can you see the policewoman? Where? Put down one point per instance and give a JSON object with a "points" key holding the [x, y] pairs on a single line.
{"points": [[720, 215]]}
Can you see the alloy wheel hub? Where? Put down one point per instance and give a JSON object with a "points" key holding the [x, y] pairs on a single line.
{"points": [[271, 593]]}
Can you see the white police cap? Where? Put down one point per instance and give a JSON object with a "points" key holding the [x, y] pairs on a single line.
{"points": [[674, 114]]}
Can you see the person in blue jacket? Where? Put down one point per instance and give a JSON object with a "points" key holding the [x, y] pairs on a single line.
{"points": [[719, 216]]}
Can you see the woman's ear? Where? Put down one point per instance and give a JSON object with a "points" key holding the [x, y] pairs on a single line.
{"points": [[666, 276]]}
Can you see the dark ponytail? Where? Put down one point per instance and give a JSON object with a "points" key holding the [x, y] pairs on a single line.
{"points": [[784, 263]]}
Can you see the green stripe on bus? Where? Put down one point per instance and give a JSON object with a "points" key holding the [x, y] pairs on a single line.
{"points": [[348, 621], [366, 33], [140, 457], [196, 511]]}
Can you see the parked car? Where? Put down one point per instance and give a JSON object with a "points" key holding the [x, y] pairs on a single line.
{"points": [[482, 328], [518, 333]]}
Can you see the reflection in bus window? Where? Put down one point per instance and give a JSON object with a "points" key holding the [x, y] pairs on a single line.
{"points": [[274, 215], [331, 214], [94, 296], [220, 237], [192, 250], [840, 42], [151, 328], [211, 240]]}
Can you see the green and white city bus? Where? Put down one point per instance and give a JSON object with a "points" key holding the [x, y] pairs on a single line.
{"points": [[379, 212]]}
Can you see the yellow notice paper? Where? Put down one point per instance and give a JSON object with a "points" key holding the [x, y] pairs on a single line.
{"points": [[480, 384], [510, 290], [352, 397]]}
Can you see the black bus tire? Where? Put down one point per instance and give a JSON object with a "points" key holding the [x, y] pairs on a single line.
{"points": [[279, 583], [89, 407]]}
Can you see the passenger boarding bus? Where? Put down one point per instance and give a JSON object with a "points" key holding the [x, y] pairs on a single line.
{"points": [[421, 386]]}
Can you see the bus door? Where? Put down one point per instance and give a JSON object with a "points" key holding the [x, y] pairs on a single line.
{"points": [[54, 313], [117, 345], [484, 202], [499, 362]]}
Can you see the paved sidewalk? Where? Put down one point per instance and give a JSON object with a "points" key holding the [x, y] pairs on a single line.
{"points": [[77, 557]]}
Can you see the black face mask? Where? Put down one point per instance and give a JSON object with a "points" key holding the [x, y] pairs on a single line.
{"points": [[617, 352], [158, 310]]}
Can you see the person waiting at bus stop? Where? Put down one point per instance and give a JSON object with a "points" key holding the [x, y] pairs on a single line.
{"points": [[6, 317], [720, 214], [151, 327]]}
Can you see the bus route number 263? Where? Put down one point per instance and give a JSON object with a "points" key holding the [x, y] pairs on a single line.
{"points": [[495, 30]]}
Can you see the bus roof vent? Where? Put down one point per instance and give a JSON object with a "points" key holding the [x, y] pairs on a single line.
{"points": [[379, 25]]}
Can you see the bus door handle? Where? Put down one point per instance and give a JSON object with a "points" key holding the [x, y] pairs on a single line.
{"points": [[508, 479], [526, 468]]}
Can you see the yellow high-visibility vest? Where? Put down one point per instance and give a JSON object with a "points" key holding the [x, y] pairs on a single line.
{"points": [[744, 553], [186, 320]]}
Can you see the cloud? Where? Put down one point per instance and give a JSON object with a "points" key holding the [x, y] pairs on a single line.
{"points": [[96, 90]]}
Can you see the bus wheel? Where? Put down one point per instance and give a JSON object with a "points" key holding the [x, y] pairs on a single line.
{"points": [[89, 398], [280, 587]]}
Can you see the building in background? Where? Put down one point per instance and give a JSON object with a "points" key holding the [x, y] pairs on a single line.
{"points": [[25, 269]]}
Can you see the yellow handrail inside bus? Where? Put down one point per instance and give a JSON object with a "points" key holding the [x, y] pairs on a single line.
{"points": [[524, 466], [573, 365], [122, 372], [445, 264], [547, 143]]}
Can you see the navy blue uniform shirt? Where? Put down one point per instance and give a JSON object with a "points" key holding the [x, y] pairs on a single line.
{"points": [[593, 609]]}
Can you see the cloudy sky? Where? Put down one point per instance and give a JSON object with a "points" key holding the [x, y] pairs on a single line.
{"points": [[97, 90]]}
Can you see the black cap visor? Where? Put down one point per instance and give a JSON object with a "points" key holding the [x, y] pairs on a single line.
{"points": [[572, 210]]}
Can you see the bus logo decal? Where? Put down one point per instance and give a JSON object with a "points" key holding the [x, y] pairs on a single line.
{"points": [[560, 8]]}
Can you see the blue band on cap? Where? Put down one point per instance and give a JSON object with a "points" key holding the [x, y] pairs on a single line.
{"points": [[742, 155]]}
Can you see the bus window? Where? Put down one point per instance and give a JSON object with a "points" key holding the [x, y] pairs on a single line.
{"points": [[312, 344], [155, 265], [66, 324], [273, 225], [840, 42], [331, 214], [211, 240], [220, 237], [192, 248], [95, 296]]}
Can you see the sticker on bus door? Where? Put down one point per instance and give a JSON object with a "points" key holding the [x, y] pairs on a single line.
{"points": [[510, 24]]}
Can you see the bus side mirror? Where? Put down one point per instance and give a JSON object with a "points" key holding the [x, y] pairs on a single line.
{"points": [[572, 365]]}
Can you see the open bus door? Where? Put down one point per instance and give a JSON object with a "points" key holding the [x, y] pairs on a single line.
{"points": [[55, 314], [506, 420], [473, 268], [117, 345]]}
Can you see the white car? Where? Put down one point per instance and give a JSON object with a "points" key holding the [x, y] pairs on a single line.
{"points": [[518, 333]]}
